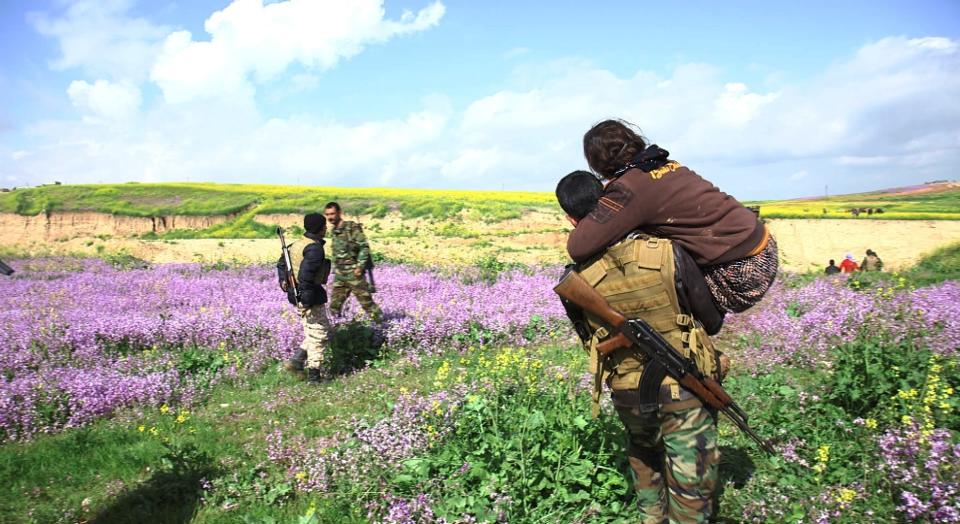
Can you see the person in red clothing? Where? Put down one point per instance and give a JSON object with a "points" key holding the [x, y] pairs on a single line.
{"points": [[647, 191], [849, 265]]}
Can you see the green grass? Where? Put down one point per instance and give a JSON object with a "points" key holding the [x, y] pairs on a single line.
{"points": [[246, 201], [134, 199], [130, 199], [539, 447], [943, 264], [942, 204], [243, 226], [119, 468]]}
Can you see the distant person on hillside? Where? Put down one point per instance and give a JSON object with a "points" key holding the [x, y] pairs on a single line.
{"points": [[848, 265], [871, 262], [651, 193], [832, 268], [351, 257]]}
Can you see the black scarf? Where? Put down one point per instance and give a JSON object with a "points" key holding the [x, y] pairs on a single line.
{"points": [[647, 160]]}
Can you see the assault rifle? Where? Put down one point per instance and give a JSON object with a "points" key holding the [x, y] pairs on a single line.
{"points": [[368, 269], [5, 269], [637, 332], [291, 272]]}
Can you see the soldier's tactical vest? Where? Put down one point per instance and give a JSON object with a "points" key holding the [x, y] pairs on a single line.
{"points": [[296, 257], [637, 276]]}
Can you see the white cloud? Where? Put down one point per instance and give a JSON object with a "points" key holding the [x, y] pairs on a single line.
{"points": [[251, 42], [889, 112], [894, 98], [105, 100], [471, 165], [737, 106], [100, 37]]}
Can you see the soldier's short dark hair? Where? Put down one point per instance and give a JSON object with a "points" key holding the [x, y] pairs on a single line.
{"points": [[333, 205], [578, 193]]}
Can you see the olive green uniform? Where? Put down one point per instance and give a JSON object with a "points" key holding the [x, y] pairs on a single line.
{"points": [[351, 251]]}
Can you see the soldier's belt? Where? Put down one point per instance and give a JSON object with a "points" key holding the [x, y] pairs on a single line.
{"points": [[671, 398]]}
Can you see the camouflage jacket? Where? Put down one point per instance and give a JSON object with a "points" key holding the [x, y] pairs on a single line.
{"points": [[350, 248]]}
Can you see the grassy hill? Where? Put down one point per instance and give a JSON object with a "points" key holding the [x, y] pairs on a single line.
{"points": [[937, 201], [134, 199], [940, 201]]}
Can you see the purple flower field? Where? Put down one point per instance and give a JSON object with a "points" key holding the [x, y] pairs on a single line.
{"points": [[80, 339], [798, 326]]}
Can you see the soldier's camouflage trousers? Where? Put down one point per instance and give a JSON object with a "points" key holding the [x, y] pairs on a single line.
{"points": [[674, 463], [316, 326], [342, 287]]}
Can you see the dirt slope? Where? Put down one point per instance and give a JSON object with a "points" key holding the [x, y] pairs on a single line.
{"points": [[538, 238]]}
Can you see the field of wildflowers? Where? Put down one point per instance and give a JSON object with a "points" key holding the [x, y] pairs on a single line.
{"points": [[81, 338], [473, 408]]}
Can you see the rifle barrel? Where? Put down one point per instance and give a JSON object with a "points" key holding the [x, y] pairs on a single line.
{"points": [[744, 427], [288, 262]]}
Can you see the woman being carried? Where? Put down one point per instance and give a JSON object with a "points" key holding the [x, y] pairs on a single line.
{"points": [[647, 191]]}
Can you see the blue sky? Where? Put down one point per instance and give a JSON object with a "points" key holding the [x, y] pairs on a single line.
{"points": [[767, 100]]}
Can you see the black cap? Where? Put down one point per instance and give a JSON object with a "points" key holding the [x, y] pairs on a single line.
{"points": [[314, 223]]}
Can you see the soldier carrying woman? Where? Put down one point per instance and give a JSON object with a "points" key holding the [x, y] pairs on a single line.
{"points": [[665, 246]]}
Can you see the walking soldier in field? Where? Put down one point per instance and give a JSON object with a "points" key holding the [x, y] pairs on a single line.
{"points": [[351, 259], [306, 291]]}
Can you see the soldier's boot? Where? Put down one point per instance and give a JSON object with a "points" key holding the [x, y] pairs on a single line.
{"points": [[316, 376], [295, 363]]}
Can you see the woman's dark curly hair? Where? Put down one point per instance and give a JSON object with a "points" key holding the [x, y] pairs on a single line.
{"points": [[610, 145]]}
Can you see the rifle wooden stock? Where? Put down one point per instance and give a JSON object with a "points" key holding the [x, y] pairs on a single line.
{"points": [[575, 289], [609, 346]]}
